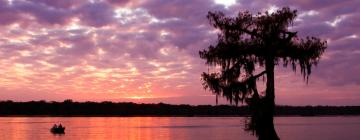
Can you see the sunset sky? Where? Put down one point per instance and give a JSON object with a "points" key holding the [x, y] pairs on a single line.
{"points": [[147, 50]]}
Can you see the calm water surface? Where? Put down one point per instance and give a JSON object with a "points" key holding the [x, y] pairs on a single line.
{"points": [[178, 128]]}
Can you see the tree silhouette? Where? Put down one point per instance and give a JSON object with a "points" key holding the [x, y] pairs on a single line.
{"points": [[248, 48]]}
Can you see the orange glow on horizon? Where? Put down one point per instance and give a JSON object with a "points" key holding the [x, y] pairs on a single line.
{"points": [[138, 97]]}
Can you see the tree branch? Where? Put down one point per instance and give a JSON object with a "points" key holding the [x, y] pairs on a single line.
{"points": [[258, 75], [290, 35], [252, 33], [254, 77]]}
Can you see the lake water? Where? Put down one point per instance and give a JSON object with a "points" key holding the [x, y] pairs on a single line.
{"points": [[177, 128]]}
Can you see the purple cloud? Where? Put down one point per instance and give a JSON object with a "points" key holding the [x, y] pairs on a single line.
{"points": [[120, 48]]}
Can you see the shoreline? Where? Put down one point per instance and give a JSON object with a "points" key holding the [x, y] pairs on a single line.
{"points": [[130, 116], [126, 109]]}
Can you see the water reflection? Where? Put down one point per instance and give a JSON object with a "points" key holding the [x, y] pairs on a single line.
{"points": [[178, 128]]}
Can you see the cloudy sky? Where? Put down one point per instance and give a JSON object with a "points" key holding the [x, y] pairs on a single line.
{"points": [[147, 50]]}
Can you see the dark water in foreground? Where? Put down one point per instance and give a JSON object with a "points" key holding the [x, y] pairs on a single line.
{"points": [[179, 128]]}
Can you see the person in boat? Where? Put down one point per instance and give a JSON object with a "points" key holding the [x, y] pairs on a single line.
{"points": [[57, 129]]}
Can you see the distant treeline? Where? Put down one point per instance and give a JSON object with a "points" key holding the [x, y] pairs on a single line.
{"points": [[70, 108]]}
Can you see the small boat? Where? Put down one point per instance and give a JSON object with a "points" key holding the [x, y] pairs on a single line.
{"points": [[57, 130]]}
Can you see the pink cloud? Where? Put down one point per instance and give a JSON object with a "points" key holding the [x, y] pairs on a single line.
{"points": [[115, 50]]}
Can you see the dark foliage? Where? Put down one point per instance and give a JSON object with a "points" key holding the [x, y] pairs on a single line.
{"points": [[70, 108], [251, 43], [247, 41]]}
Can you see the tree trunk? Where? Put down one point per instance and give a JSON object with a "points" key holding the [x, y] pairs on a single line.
{"points": [[266, 124]]}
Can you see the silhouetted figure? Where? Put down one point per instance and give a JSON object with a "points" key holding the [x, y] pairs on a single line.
{"points": [[251, 43], [57, 129]]}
